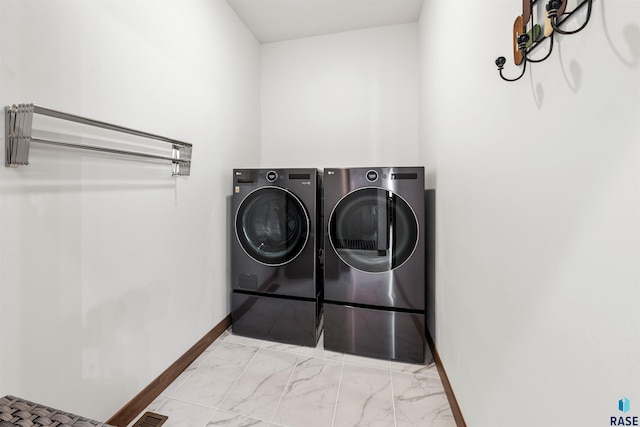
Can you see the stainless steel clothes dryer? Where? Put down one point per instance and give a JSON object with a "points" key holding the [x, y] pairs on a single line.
{"points": [[374, 258], [276, 275]]}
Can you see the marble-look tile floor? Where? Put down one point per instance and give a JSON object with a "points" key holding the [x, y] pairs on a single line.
{"points": [[240, 381]]}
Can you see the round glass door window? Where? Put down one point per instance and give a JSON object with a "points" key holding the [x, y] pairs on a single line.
{"points": [[272, 225], [373, 229]]}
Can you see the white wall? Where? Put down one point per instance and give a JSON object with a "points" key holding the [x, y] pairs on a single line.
{"points": [[346, 99], [110, 269], [538, 214]]}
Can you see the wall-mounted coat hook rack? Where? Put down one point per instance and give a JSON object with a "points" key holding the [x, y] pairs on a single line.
{"points": [[18, 138], [528, 35]]}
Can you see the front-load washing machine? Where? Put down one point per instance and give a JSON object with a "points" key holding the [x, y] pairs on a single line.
{"points": [[374, 262], [276, 275]]}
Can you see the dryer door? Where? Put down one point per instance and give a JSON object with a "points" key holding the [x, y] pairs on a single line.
{"points": [[272, 225], [373, 230]]}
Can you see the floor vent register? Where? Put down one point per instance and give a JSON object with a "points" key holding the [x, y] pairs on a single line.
{"points": [[151, 419]]}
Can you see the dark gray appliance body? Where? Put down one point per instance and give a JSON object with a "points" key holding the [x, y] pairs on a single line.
{"points": [[374, 262], [276, 238]]}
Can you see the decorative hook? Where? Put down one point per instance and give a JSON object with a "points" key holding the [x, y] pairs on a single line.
{"points": [[500, 61]]}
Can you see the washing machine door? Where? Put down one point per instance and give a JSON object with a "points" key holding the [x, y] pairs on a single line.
{"points": [[373, 230], [272, 225]]}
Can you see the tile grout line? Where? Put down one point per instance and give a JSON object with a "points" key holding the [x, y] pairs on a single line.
{"points": [[191, 402], [217, 408], [284, 391], [393, 397], [239, 376], [335, 407]]}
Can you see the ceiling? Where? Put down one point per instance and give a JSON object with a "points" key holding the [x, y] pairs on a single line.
{"points": [[278, 20]]}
